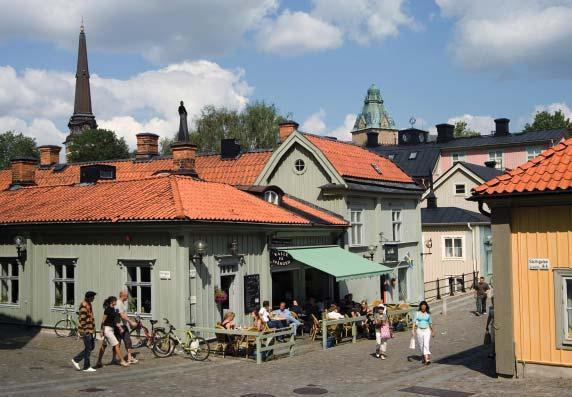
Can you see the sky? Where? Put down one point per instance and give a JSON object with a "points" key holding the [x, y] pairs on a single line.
{"points": [[436, 60]]}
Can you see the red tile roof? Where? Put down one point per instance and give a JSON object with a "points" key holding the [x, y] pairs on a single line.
{"points": [[354, 161], [307, 209], [241, 171], [549, 171], [149, 199]]}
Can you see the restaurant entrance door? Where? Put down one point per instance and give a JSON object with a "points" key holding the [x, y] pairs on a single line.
{"points": [[283, 287]]}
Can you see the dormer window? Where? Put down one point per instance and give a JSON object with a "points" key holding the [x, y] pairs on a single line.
{"points": [[272, 197], [412, 155], [95, 172]]}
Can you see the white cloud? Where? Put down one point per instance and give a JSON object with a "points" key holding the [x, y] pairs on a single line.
{"points": [[315, 124], [294, 33], [40, 101], [553, 107], [482, 124], [162, 31], [343, 132], [493, 34]]}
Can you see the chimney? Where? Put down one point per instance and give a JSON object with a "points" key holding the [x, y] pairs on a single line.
{"points": [[184, 154], [49, 155], [490, 164], [501, 127], [23, 171], [431, 200], [372, 139], [229, 148], [147, 145], [286, 128], [445, 133]]}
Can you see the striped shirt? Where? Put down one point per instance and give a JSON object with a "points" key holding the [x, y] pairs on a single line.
{"points": [[86, 324]]}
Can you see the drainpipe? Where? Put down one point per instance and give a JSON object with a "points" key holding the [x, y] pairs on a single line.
{"points": [[473, 245], [482, 209]]}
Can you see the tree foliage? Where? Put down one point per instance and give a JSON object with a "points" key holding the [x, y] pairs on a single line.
{"points": [[546, 121], [13, 144], [165, 146], [97, 145], [461, 130]]}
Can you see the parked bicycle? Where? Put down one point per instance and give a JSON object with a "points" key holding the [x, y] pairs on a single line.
{"points": [[67, 326], [142, 337], [195, 346]]}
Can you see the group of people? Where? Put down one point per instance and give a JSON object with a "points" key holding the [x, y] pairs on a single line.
{"points": [[114, 329]]}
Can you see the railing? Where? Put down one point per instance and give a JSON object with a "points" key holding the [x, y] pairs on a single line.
{"points": [[348, 320], [262, 339], [450, 285]]}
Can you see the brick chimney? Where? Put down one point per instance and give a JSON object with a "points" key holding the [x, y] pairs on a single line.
{"points": [[49, 155], [147, 145], [286, 128], [23, 171], [501, 127], [184, 154]]}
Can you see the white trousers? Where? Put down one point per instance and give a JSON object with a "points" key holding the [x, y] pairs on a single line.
{"points": [[381, 344], [423, 339]]}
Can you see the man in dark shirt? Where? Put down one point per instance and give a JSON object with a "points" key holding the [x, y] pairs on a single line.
{"points": [[481, 293]]}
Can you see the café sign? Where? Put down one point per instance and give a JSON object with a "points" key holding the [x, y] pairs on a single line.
{"points": [[538, 264], [280, 258]]}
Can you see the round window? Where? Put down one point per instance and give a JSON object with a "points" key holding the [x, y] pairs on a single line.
{"points": [[299, 166]]}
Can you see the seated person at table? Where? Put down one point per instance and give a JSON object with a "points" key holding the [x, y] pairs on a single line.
{"points": [[296, 308], [284, 313], [267, 318], [333, 313], [228, 320], [257, 320]]}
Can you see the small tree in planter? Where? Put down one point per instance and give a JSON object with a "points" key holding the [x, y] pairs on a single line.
{"points": [[220, 296]]}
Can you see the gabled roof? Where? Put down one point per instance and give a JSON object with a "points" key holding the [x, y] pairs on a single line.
{"points": [[351, 160], [311, 211], [451, 216], [423, 163], [161, 198], [485, 173], [521, 138], [551, 171]]}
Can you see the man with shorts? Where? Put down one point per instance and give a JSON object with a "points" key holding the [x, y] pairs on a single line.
{"points": [[127, 323]]}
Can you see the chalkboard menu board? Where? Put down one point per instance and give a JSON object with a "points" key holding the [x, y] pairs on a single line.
{"points": [[251, 292]]}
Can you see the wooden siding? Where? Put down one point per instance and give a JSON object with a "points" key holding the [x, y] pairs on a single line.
{"points": [[446, 196], [541, 232]]}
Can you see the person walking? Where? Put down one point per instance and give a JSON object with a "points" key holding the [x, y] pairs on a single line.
{"points": [[423, 329], [481, 292], [127, 323], [109, 326], [382, 332], [86, 330]]}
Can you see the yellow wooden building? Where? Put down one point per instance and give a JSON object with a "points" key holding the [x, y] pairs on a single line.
{"points": [[531, 216]]}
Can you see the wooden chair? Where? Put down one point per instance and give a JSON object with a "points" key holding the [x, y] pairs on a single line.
{"points": [[347, 328], [247, 342], [316, 328], [222, 341]]}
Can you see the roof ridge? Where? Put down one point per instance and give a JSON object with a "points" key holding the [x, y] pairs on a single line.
{"points": [[316, 207]]}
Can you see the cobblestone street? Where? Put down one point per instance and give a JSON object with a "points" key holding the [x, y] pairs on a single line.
{"points": [[41, 366]]}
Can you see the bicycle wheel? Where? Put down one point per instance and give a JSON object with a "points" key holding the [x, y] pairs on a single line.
{"points": [[164, 346], [199, 349], [62, 328], [138, 337], [159, 333]]}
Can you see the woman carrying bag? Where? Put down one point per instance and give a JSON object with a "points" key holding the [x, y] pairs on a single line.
{"points": [[423, 329]]}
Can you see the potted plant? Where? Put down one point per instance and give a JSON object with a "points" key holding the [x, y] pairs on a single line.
{"points": [[220, 295]]}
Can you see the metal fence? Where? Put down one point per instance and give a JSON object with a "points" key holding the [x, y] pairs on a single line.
{"points": [[450, 285]]}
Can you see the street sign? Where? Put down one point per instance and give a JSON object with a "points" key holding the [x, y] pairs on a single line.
{"points": [[165, 275], [538, 264]]}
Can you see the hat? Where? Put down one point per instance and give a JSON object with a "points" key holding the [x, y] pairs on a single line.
{"points": [[90, 294]]}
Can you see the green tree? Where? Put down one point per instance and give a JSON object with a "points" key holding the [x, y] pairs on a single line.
{"points": [[461, 130], [13, 144], [97, 145], [165, 146], [546, 121]]}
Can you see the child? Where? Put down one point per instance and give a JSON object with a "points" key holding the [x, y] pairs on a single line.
{"points": [[382, 332]]}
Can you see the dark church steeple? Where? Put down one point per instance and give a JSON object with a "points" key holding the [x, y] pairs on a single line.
{"points": [[82, 118]]}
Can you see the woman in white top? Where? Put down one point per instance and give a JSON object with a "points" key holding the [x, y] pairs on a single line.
{"points": [[333, 313]]}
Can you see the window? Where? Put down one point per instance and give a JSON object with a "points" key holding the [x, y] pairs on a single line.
{"points": [[396, 224], [64, 282], [532, 152], [272, 197], [299, 166], [458, 157], [356, 230], [9, 282], [563, 307], [497, 158], [460, 189], [453, 248], [139, 286], [391, 156], [412, 155]]}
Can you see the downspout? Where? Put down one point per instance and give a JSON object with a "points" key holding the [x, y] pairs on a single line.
{"points": [[482, 209], [473, 244]]}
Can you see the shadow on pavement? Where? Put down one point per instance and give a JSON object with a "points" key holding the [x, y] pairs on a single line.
{"points": [[15, 334], [475, 359]]}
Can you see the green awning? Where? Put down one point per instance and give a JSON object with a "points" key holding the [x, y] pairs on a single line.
{"points": [[341, 264]]}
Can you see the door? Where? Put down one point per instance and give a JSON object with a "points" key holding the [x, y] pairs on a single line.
{"points": [[402, 283], [229, 284]]}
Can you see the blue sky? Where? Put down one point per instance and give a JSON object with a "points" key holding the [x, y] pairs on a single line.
{"points": [[439, 60]]}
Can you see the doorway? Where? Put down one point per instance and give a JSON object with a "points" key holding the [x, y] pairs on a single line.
{"points": [[228, 284], [282, 287]]}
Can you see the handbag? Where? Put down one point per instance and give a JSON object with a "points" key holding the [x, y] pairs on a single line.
{"points": [[412, 343], [488, 339]]}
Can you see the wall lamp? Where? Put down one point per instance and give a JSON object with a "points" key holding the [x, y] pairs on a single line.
{"points": [[233, 246], [20, 243], [371, 250], [200, 249]]}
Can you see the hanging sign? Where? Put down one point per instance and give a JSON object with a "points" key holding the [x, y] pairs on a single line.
{"points": [[391, 253], [538, 264], [280, 258]]}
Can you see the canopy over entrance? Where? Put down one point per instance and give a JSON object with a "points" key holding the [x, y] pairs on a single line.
{"points": [[341, 264]]}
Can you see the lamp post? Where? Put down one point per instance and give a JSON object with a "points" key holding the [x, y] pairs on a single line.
{"points": [[20, 243]]}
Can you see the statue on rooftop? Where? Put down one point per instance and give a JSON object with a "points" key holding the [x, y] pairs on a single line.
{"points": [[183, 135]]}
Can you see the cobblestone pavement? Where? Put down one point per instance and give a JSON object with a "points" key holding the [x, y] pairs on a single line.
{"points": [[39, 365]]}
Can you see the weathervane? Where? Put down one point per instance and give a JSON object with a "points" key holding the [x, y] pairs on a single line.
{"points": [[412, 121]]}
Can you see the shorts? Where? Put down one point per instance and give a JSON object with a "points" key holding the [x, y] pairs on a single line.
{"points": [[110, 338]]}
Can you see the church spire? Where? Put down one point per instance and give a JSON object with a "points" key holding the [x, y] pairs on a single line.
{"points": [[82, 118]]}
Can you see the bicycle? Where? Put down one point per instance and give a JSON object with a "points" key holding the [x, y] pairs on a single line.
{"points": [[195, 346], [146, 339], [67, 326]]}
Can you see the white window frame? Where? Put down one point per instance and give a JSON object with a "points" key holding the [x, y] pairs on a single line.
{"points": [[533, 151], [65, 263], [9, 280], [272, 197], [444, 248], [413, 155], [298, 162], [126, 264], [563, 338], [464, 189], [460, 157], [493, 156], [358, 226], [396, 222]]}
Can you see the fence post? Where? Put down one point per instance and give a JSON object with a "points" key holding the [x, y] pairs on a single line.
{"points": [[452, 285], [463, 282], [258, 352], [292, 341], [438, 290], [324, 334], [354, 332]]}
